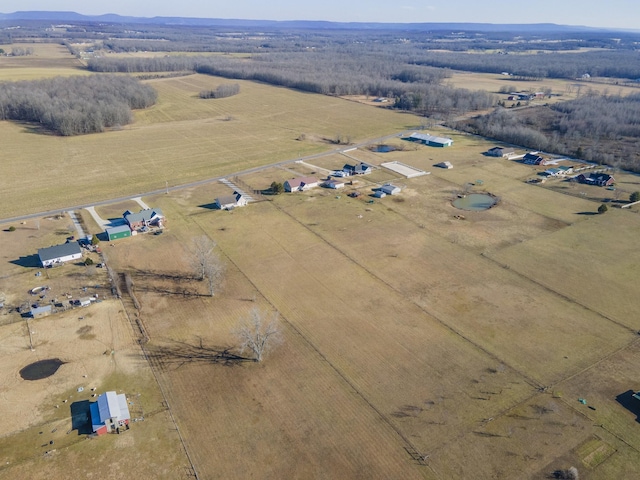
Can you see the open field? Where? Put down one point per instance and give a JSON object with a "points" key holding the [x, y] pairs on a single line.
{"points": [[565, 89], [47, 60], [420, 341], [180, 140]]}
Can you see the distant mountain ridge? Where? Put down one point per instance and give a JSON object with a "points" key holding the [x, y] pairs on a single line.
{"points": [[300, 24]]}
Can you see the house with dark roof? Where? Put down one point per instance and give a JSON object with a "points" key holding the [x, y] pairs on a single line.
{"points": [[299, 184], [59, 254], [532, 158], [599, 179], [110, 413], [359, 169], [150, 217], [229, 202]]}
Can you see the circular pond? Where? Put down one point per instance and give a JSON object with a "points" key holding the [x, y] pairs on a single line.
{"points": [[475, 202], [41, 369]]}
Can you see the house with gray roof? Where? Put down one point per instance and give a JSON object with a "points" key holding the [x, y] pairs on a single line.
{"points": [[150, 217], [229, 202]]}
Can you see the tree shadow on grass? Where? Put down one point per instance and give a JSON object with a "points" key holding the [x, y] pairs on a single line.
{"points": [[632, 404], [587, 213], [177, 354], [81, 417]]}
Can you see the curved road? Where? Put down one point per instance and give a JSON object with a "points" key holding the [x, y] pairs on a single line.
{"points": [[205, 181]]}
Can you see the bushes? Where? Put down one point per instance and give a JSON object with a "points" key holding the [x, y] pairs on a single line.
{"points": [[228, 90]]}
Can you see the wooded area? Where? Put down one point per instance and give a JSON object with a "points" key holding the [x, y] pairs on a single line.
{"points": [[75, 105], [603, 129], [415, 88]]}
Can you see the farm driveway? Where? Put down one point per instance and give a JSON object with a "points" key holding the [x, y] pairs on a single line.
{"points": [[97, 218]]}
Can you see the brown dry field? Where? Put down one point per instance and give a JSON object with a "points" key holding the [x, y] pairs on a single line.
{"points": [[181, 139], [407, 331]]}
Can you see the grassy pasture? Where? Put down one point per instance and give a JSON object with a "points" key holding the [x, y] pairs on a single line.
{"points": [[565, 89], [599, 261], [181, 139]]}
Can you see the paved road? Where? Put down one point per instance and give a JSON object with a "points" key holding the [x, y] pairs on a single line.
{"points": [[203, 182]]}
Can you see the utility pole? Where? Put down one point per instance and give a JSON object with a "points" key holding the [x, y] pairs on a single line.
{"points": [[166, 182]]}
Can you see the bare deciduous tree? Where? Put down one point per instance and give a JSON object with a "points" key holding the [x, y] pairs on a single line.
{"points": [[258, 334], [207, 263]]}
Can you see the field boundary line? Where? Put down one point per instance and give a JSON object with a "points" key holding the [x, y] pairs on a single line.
{"points": [[403, 437], [529, 380], [141, 340], [563, 296]]}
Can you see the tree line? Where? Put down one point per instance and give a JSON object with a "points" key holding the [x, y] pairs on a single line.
{"points": [[75, 105], [412, 87], [598, 128]]}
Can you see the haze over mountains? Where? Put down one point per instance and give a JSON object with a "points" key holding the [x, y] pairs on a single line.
{"points": [[301, 24]]}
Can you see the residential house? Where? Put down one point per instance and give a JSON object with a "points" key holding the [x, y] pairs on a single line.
{"points": [[109, 413], [360, 169], [532, 158], [300, 183], [150, 217], [229, 202], [600, 179], [500, 152], [58, 254]]}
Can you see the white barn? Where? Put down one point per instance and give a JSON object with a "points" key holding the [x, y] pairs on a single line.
{"points": [[389, 189], [59, 254]]}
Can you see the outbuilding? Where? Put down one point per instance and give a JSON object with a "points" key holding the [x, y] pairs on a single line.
{"points": [[59, 254], [446, 165], [39, 312], [334, 184], [121, 231], [109, 413], [390, 189], [430, 140]]}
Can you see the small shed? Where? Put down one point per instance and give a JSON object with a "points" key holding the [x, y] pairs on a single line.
{"points": [[446, 165], [121, 231], [379, 194]]}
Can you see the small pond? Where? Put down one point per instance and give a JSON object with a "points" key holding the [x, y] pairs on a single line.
{"points": [[41, 369], [475, 202], [384, 148]]}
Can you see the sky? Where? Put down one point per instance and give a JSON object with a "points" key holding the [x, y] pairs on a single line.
{"points": [[593, 13]]}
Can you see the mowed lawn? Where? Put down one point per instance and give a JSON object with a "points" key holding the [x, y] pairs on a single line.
{"points": [[181, 139]]}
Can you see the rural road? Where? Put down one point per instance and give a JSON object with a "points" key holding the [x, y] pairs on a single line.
{"points": [[205, 181]]}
